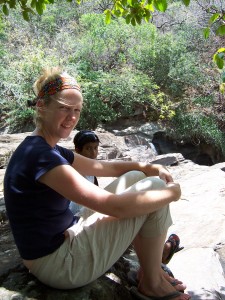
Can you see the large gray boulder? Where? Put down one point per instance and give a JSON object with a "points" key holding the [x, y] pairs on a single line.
{"points": [[199, 219]]}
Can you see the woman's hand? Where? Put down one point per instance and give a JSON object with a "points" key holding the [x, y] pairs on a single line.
{"points": [[165, 175], [156, 170], [175, 189]]}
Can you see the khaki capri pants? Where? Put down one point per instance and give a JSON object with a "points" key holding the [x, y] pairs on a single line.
{"points": [[97, 241]]}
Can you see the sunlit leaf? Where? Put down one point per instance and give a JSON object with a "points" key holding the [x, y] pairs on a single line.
{"points": [[186, 2], [214, 18], [150, 7], [107, 16], [33, 3], [206, 32], [222, 88], [138, 19], [160, 5], [128, 19], [133, 22], [26, 15], [23, 3], [124, 13], [5, 9], [146, 19], [118, 6], [30, 10], [219, 58], [219, 61], [12, 4], [39, 8], [221, 55], [147, 14], [220, 30]]}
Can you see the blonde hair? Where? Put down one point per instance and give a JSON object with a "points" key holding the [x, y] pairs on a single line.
{"points": [[48, 75]]}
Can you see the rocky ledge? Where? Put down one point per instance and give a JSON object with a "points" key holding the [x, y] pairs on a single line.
{"points": [[198, 218]]}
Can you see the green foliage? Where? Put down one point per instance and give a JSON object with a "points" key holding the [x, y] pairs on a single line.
{"points": [[168, 58], [219, 57], [203, 101], [23, 121], [217, 21], [196, 127], [95, 111], [26, 7], [121, 68], [3, 38], [110, 96], [15, 114], [17, 77], [129, 90], [2, 29], [101, 46], [49, 24], [133, 11], [186, 2]]}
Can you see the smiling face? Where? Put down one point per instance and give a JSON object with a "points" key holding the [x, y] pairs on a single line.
{"points": [[60, 116]]}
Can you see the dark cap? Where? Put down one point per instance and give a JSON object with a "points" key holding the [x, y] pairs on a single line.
{"points": [[83, 137]]}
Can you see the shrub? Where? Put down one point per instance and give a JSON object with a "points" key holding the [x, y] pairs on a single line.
{"points": [[109, 96], [196, 127], [168, 58]]}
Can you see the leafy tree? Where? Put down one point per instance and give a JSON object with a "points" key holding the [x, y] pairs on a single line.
{"points": [[134, 12], [121, 68]]}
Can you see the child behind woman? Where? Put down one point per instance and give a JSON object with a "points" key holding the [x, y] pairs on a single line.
{"points": [[86, 143]]}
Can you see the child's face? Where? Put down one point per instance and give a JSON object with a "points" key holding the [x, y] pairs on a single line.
{"points": [[89, 150]]}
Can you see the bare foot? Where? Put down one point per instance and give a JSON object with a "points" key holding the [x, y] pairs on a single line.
{"points": [[159, 287], [178, 285]]}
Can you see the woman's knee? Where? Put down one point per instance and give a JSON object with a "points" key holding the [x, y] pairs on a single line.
{"points": [[133, 177], [125, 181], [157, 183], [147, 184]]}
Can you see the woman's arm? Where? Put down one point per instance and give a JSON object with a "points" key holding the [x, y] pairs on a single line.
{"points": [[101, 168], [69, 183]]}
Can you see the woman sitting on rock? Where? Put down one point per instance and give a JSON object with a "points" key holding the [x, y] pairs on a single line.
{"points": [[86, 143], [65, 251]]}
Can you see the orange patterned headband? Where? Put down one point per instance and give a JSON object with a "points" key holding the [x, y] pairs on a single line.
{"points": [[57, 85]]}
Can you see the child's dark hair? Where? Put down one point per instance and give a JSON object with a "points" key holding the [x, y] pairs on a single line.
{"points": [[83, 137]]}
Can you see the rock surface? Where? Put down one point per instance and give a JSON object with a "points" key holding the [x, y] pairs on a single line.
{"points": [[198, 218]]}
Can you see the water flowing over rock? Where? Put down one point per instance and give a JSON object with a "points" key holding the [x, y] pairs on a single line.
{"points": [[198, 218]]}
